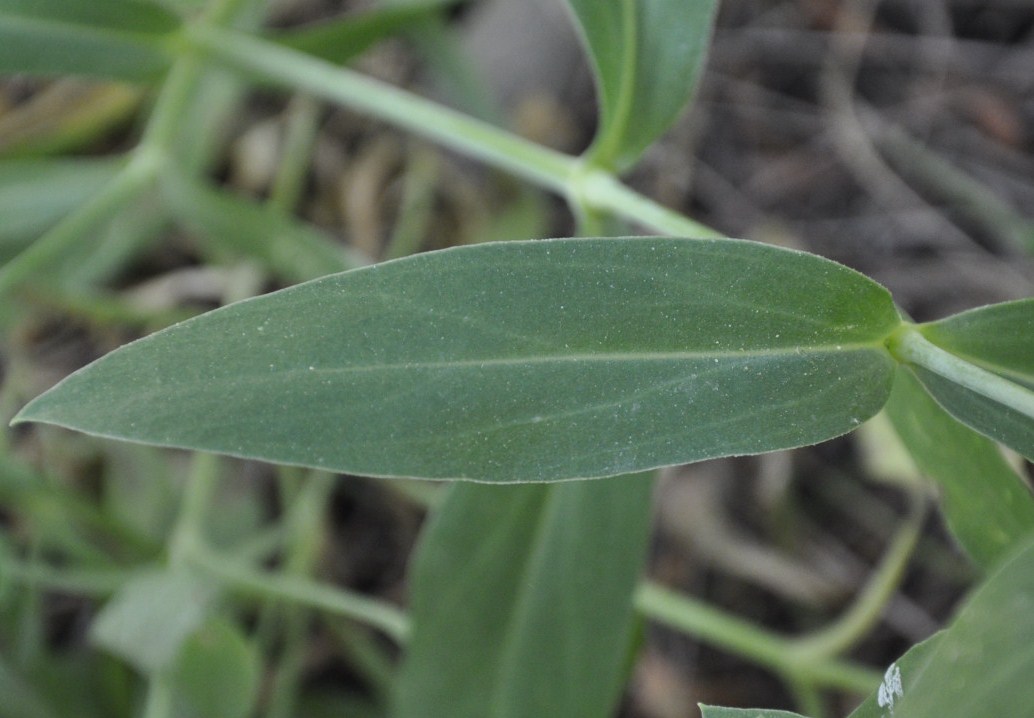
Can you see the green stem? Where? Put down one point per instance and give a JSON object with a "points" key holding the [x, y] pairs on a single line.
{"points": [[743, 638], [908, 345], [271, 63], [135, 177], [302, 123], [188, 535], [159, 703], [604, 191], [352, 605], [584, 186], [79, 582], [867, 609]]}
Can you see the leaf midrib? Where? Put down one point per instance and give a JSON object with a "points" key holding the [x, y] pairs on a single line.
{"points": [[611, 357]]}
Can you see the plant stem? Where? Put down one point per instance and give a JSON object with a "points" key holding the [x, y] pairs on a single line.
{"points": [[743, 638], [135, 177], [604, 191], [908, 345], [159, 698], [584, 186], [269, 62], [187, 538], [79, 582], [867, 609], [352, 605]]}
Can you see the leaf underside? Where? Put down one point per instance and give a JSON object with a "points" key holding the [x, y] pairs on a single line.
{"points": [[523, 361]]}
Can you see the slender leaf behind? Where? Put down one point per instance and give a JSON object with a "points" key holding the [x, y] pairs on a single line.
{"points": [[522, 600], [523, 361]]}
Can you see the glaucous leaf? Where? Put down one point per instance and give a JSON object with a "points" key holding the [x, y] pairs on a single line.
{"points": [[648, 56], [521, 361], [986, 504], [522, 600], [999, 338], [981, 664], [107, 38]]}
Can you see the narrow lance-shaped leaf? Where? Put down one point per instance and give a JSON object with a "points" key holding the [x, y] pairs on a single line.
{"points": [[648, 56], [107, 38], [522, 600], [987, 505], [522, 361]]}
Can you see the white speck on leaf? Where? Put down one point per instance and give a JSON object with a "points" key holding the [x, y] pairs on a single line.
{"points": [[891, 689]]}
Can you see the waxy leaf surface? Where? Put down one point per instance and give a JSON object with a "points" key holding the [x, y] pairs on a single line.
{"points": [[987, 505], [107, 38], [522, 361], [647, 56], [522, 600]]}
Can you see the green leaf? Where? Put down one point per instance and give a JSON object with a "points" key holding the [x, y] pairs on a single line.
{"points": [[216, 672], [987, 505], [148, 620], [981, 664], [999, 338], [107, 38], [522, 600], [521, 361], [231, 224], [343, 39], [35, 194], [648, 56], [900, 677], [717, 712], [1005, 424]]}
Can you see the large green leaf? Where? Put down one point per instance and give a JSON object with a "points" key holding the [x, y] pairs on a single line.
{"points": [[999, 338], [521, 361], [647, 56], [986, 504], [107, 38], [522, 600], [980, 665]]}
